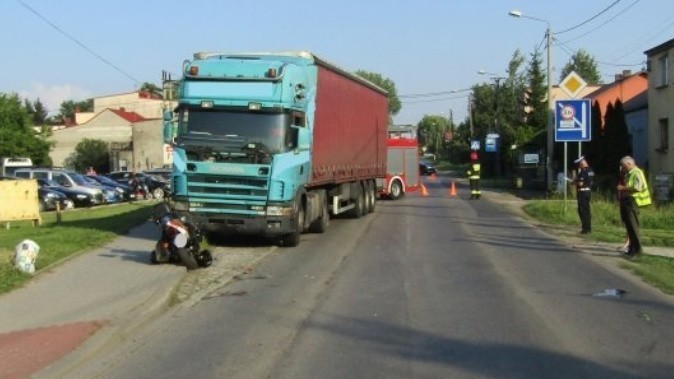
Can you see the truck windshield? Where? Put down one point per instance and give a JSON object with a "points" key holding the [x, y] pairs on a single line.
{"points": [[234, 130]]}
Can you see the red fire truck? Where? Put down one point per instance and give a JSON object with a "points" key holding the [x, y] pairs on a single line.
{"points": [[402, 173]]}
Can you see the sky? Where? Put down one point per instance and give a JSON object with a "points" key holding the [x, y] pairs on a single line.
{"points": [[431, 49]]}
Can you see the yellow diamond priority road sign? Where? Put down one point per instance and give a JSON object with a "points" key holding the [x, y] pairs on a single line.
{"points": [[572, 84]]}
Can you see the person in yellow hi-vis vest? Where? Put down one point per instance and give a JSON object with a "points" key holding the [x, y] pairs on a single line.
{"points": [[474, 176], [636, 196]]}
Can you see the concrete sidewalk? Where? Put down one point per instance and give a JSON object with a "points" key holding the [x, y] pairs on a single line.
{"points": [[60, 309]]}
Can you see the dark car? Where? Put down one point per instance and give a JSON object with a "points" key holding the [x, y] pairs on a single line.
{"points": [[79, 198], [47, 198], [124, 190], [50, 199], [158, 188], [426, 168]]}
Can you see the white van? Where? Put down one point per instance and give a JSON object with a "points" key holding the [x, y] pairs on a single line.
{"points": [[9, 165]]}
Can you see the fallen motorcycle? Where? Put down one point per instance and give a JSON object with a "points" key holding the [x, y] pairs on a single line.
{"points": [[180, 241]]}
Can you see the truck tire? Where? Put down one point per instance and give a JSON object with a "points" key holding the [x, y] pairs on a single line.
{"points": [[396, 191], [359, 204], [372, 194], [321, 224], [188, 259], [293, 239]]}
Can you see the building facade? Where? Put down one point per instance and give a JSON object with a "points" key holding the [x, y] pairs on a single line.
{"points": [[132, 126], [660, 118]]}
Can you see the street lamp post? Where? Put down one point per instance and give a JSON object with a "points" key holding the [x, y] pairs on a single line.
{"points": [[550, 126]]}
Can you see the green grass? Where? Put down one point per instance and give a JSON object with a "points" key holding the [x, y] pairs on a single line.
{"points": [[657, 271], [657, 229], [80, 230], [657, 224]]}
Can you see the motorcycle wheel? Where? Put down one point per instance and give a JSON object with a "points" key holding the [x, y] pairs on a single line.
{"points": [[153, 257], [205, 259], [188, 259]]}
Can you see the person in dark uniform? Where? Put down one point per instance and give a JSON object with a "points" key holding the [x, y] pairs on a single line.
{"points": [[583, 182]]}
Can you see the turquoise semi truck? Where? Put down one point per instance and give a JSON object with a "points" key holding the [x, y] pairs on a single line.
{"points": [[275, 144]]}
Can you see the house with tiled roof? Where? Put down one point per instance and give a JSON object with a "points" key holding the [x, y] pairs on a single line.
{"points": [[130, 123]]}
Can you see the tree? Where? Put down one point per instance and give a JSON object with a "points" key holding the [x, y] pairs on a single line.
{"points": [[537, 118], [37, 111], [152, 89], [40, 115], [90, 153], [617, 137], [17, 136], [394, 104], [584, 65], [69, 107], [595, 147], [431, 132]]}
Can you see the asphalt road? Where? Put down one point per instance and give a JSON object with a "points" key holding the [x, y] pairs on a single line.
{"points": [[426, 287]]}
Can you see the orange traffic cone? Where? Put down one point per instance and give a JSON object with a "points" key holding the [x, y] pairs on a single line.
{"points": [[452, 190], [424, 191]]}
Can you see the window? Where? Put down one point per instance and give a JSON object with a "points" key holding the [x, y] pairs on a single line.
{"points": [[663, 69], [664, 135]]}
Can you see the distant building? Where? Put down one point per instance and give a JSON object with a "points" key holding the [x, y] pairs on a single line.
{"points": [[625, 87], [660, 116], [131, 124]]}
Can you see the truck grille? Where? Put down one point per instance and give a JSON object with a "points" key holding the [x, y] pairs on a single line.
{"points": [[227, 194]]}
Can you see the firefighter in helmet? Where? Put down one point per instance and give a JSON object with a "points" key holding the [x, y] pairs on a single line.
{"points": [[474, 176]]}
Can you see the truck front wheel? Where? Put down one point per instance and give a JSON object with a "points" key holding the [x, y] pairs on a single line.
{"points": [[292, 239], [321, 224]]}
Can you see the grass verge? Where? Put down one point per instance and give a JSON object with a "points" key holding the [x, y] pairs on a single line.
{"points": [[80, 230]]}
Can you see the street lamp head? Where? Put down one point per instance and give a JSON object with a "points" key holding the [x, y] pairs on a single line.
{"points": [[515, 13]]}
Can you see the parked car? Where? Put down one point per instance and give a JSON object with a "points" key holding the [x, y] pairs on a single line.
{"points": [[125, 190], [158, 188], [47, 198], [78, 197], [426, 168], [66, 178], [110, 193]]}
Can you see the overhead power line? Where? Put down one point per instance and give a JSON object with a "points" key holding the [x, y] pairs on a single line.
{"points": [[431, 94], [589, 19], [89, 50], [605, 22]]}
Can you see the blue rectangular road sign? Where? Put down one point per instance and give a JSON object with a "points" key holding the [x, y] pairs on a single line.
{"points": [[573, 121]]}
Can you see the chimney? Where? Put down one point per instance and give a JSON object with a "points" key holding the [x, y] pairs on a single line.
{"points": [[121, 109], [627, 73]]}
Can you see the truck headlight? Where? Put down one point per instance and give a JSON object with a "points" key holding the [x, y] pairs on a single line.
{"points": [[278, 210]]}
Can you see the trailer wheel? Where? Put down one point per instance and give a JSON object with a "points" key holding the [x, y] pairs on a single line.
{"points": [[293, 239], [396, 190], [372, 194], [359, 204], [321, 224]]}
